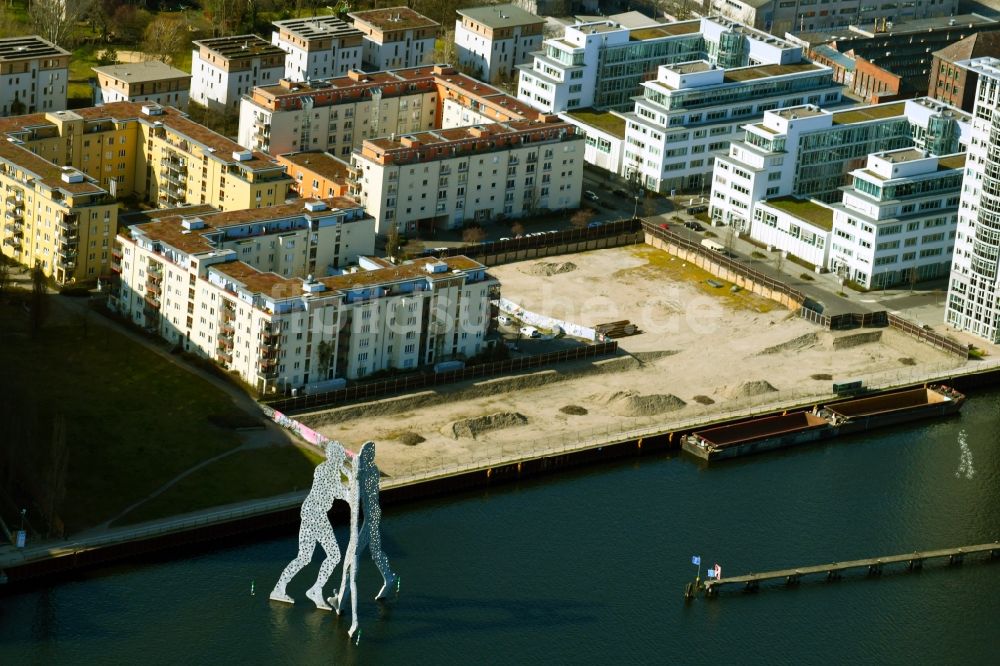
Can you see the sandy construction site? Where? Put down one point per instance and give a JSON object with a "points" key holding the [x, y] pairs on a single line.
{"points": [[702, 349]]}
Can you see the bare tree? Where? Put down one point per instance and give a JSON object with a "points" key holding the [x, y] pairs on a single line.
{"points": [[517, 229], [581, 218], [473, 235], [392, 243], [444, 49], [165, 36], [914, 277], [779, 261], [56, 20]]}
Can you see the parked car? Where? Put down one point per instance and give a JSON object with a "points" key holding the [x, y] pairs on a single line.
{"points": [[530, 332], [591, 195], [619, 192], [694, 226], [593, 225], [504, 239]]}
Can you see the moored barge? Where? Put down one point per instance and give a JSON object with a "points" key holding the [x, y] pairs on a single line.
{"points": [[838, 418]]}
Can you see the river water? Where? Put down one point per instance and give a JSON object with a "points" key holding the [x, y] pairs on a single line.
{"points": [[589, 566]]}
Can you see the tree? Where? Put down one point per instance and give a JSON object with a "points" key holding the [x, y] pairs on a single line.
{"points": [[473, 235], [444, 48], [581, 218], [4, 275], [129, 23], [392, 243], [165, 36], [914, 277], [38, 299], [517, 229], [56, 20]]}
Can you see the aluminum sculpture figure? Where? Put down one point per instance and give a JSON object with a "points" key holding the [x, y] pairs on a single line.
{"points": [[364, 493], [327, 487]]}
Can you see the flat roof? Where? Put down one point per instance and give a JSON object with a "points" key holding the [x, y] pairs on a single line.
{"points": [[866, 113], [32, 46], [799, 112], [690, 66], [148, 71], [764, 71], [47, 172], [393, 18], [500, 16], [956, 161], [322, 164], [170, 229], [317, 27], [240, 46], [804, 209], [665, 30], [602, 120]]}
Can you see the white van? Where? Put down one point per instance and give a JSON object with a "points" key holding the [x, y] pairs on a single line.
{"points": [[530, 332]]}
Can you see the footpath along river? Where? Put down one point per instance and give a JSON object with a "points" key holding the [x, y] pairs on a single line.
{"points": [[589, 567]]}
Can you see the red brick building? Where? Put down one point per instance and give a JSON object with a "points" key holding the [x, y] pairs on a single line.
{"points": [[953, 83]]}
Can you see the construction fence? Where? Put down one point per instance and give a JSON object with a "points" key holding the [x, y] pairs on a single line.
{"points": [[423, 380], [749, 278]]}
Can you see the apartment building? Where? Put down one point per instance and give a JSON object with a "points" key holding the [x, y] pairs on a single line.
{"points": [[783, 16], [223, 69], [320, 47], [441, 179], [898, 219], [55, 217], [317, 174], [951, 81], [337, 115], [34, 74], [690, 113], [491, 41], [808, 152], [603, 64], [395, 37], [974, 286], [147, 81], [604, 136], [187, 280]]}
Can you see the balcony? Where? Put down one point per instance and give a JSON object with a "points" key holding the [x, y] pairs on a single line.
{"points": [[169, 177], [67, 222], [14, 214], [15, 228], [268, 374], [268, 363], [66, 252], [15, 204], [13, 242], [153, 288], [155, 270], [116, 265], [227, 328], [225, 356], [152, 300], [225, 343]]}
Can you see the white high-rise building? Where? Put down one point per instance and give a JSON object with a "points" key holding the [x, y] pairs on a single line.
{"points": [[320, 47], [897, 222], [974, 288], [807, 151]]}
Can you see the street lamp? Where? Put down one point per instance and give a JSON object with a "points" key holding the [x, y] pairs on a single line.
{"points": [[635, 209]]}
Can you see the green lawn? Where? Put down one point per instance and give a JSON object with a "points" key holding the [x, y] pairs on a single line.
{"points": [[252, 474], [133, 419]]}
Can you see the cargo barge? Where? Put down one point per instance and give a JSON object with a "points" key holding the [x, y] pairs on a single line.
{"points": [[838, 418]]}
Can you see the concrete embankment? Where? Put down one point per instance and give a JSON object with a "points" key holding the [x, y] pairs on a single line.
{"points": [[228, 525]]}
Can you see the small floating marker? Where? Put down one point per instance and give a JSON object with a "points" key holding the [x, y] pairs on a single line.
{"points": [[251, 588], [357, 639]]}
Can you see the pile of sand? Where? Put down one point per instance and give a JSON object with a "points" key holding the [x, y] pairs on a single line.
{"points": [[908, 361], [573, 410], [748, 389], [411, 438], [801, 342], [482, 424], [703, 400], [630, 403], [821, 376], [848, 341], [546, 268]]}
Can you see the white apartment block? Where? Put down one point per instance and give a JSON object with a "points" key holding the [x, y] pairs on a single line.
{"points": [[808, 152], [34, 74], [691, 112], [491, 41], [782, 16], [320, 47], [897, 222], [280, 333], [602, 64], [223, 69], [604, 133], [440, 179], [395, 37], [337, 115], [146, 81], [974, 287], [797, 227]]}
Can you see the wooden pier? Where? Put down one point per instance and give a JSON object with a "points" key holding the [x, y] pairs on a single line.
{"points": [[872, 567]]}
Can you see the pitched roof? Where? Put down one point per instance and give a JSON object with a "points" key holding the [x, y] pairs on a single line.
{"points": [[974, 46]]}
